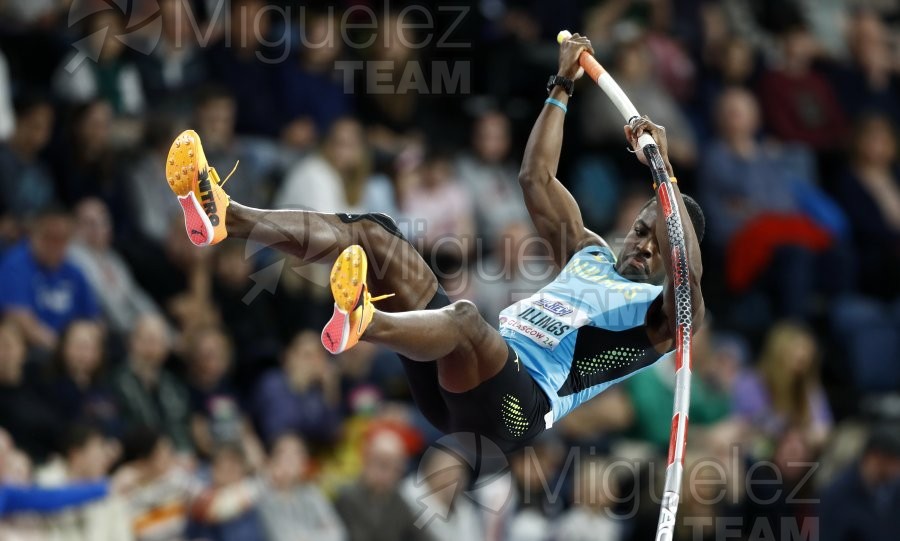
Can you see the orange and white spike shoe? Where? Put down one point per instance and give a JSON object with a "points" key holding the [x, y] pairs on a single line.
{"points": [[198, 188], [353, 310]]}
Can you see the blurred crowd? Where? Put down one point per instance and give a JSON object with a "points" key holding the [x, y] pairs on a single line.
{"points": [[153, 391]]}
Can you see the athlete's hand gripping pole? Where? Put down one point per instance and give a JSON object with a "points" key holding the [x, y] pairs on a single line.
{"points": [[666, 197]]}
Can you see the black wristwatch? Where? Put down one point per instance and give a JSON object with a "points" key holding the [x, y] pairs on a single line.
{"points": [[558, 80]]}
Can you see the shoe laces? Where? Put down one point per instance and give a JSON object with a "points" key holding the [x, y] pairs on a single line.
{"points": [[367, 298], [215, 174], [367, 301], [370, 298]]}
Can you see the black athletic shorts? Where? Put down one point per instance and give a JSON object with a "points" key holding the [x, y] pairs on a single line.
{"points": [[508, 408]]}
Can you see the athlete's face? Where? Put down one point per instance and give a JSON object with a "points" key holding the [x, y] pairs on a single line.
{"points": [[639, 260]]}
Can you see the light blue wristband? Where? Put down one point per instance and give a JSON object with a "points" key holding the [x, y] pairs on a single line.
{"points": [[557, 103]]}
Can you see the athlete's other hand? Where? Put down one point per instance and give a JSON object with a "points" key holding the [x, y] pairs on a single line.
{"points": [[658, 133], [569, 52]]}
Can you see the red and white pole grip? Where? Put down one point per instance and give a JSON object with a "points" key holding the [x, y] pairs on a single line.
{"points": [[681, 285]]}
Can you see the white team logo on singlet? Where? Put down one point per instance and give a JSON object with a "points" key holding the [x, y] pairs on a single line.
{"points": [[543, 318], [557, 308]]}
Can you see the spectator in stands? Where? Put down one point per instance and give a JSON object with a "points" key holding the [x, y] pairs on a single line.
{"points": [[722, 360], [147, 393], [787, 391], [311, 86], [741, 177], [372, 508], [77, 386], [291, 507], [298, 138], [592, 515], [763, 209], [151, 207], [869, 192], [869, 83], [84, 161], [24, 412], [228, 509], [250, 320], [37, 512], [25, 180], [121, 298], [782, 494], [759, 21], [88, 458], [40, 289], [862, 502], [441, 214], [734, 65], [107, 73], [216, 415], [176, 63], [215, 114], [179, 278], [491, 177], [334, 179], [391, 113], [241, 62], [675, 68], [303, 396], [797, 102], [446, 478], [160, 499], [708, 502], [531, 511]]}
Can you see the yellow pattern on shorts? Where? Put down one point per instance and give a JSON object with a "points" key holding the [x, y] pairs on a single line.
{"points": [[513, 416]]}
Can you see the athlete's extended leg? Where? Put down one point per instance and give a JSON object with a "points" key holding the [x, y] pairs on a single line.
{"points": [[394, 264], [313, 236]]}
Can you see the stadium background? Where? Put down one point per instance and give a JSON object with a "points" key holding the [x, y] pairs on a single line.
{"points": [[781, 119]]}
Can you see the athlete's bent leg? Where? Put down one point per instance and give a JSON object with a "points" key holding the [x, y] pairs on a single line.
{"points": [[468, 349], [394, 264]]}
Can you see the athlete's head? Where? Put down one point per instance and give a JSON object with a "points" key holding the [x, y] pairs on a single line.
{"points": [[640, 260]]}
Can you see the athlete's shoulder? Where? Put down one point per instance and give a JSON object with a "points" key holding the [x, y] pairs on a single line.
{"points": [[597, 252], [590, 240]]}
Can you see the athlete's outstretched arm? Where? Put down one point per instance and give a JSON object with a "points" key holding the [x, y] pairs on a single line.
{"points": [[692, 245], [553, 210]]}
